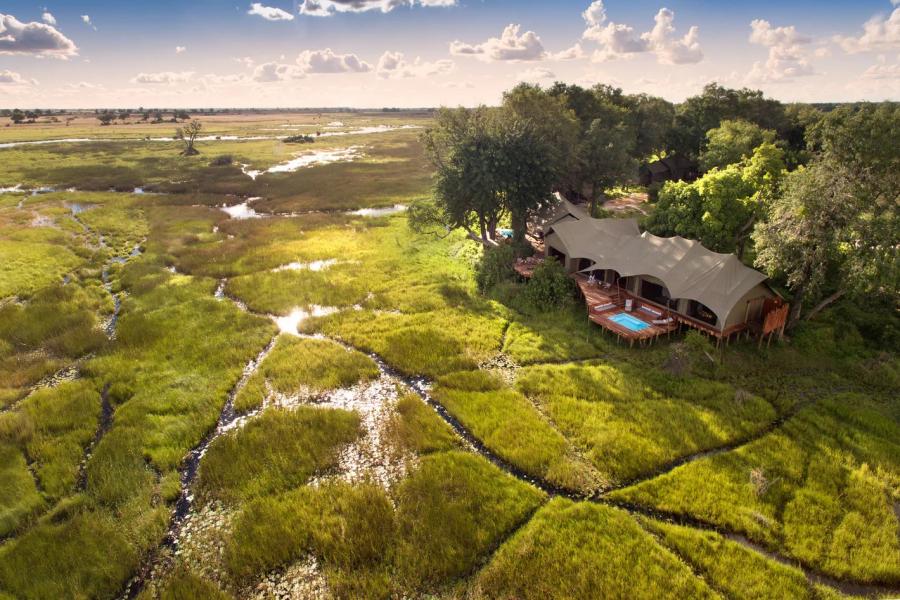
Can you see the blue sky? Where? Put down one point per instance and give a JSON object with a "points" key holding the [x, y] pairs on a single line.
{"points": [[429, 52]]}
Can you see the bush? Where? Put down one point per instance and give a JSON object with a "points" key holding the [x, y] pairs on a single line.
{"points": [[299, 139], [223, 160], [495, 267], [549, 288]]}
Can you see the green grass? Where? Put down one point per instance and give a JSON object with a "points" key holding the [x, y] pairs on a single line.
{"points": [[451, 511], [86, 556], [19, 496], [832, 483], [629, 420], [305, 366], [274, 452], [417, 427], [25, 267], [430, 344], [559, 335], [349, 528], [582, 550], [513, 428], [62, 421], [185, 585], [731, 568], [280, 292]]}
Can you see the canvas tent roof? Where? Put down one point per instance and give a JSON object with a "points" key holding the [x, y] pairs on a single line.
{"points": [[563, 210], [686, 268]]}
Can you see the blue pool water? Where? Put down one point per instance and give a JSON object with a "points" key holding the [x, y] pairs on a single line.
{"points": [[629, 322]]}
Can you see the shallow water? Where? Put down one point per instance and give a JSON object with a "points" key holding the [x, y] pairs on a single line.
{"points": [[205, 138], [317, 157], [289, 323], [241, 211], [316, 265], [379, 212]]}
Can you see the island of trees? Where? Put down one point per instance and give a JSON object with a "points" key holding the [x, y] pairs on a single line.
{"points": [[808, 194]]}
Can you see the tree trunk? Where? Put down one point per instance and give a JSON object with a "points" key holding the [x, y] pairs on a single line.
{"points": [[519, 227], [824, 303], [796, 307]]}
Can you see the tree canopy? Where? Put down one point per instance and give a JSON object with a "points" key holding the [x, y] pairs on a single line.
{"points": [[732, 141]]}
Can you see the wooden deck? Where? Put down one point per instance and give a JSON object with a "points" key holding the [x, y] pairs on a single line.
{"points": [[596, 295], [603, 302]]}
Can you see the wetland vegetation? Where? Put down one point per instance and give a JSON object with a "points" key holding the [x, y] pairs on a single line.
{"points": [[163, 434]]}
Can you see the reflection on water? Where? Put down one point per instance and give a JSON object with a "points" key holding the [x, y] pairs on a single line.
{"points": [[320, 157], [316, 265], [288, 324], [242, 210], [379, 212]]}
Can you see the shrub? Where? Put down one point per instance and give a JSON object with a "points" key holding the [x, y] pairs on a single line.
{"points": [[549, 288], [299, 139], [495, 266], [223, 160]]}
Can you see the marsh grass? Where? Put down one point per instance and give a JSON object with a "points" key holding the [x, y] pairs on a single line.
{"points": [[729, 567], [606, 555], [85, 556], [416, 427], [274, 452], [19, 496], [512, 427], [302, 365], [630, 421], [833, 475], [62, 422], [431, 343]]}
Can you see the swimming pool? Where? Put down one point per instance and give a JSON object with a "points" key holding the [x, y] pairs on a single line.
{"points": [[629, 322]]}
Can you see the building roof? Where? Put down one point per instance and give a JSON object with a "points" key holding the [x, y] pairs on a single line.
{"points": [[686, 268]]}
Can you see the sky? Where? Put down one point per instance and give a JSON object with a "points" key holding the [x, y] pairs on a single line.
{"points": [[416, 53]]}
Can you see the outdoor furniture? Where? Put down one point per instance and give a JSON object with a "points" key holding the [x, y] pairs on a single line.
{"points": [[629, 304], [607, 306], [651, 311]]}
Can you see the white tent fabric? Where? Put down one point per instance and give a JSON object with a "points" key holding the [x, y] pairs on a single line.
{"points": [[686, 268]]}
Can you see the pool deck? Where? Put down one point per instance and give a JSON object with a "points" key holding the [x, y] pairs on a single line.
{"points": [[595, 295]]}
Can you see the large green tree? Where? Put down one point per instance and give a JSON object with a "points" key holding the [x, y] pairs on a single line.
{"points": [[489, 164], [720, 208], [836, 230], [698, 114], [731, 142]]}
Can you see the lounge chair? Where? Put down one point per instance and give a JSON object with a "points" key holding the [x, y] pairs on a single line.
{"points": [[629, 304], [602, 307], [666, 321], [651, 311]]}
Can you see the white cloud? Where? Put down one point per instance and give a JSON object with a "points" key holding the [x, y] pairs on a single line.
{"points": [[271, 72], [87, 21], [788, 57], [36, 39], [8, 77], [393, 65], [180, 49], [327, 8], [536, 75], [48, 18], [882, 70], [326, 61], [618, 40], [163, 78], [246, 61], [510, 46], [269, 13], [573, 53], [880, 34]]}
